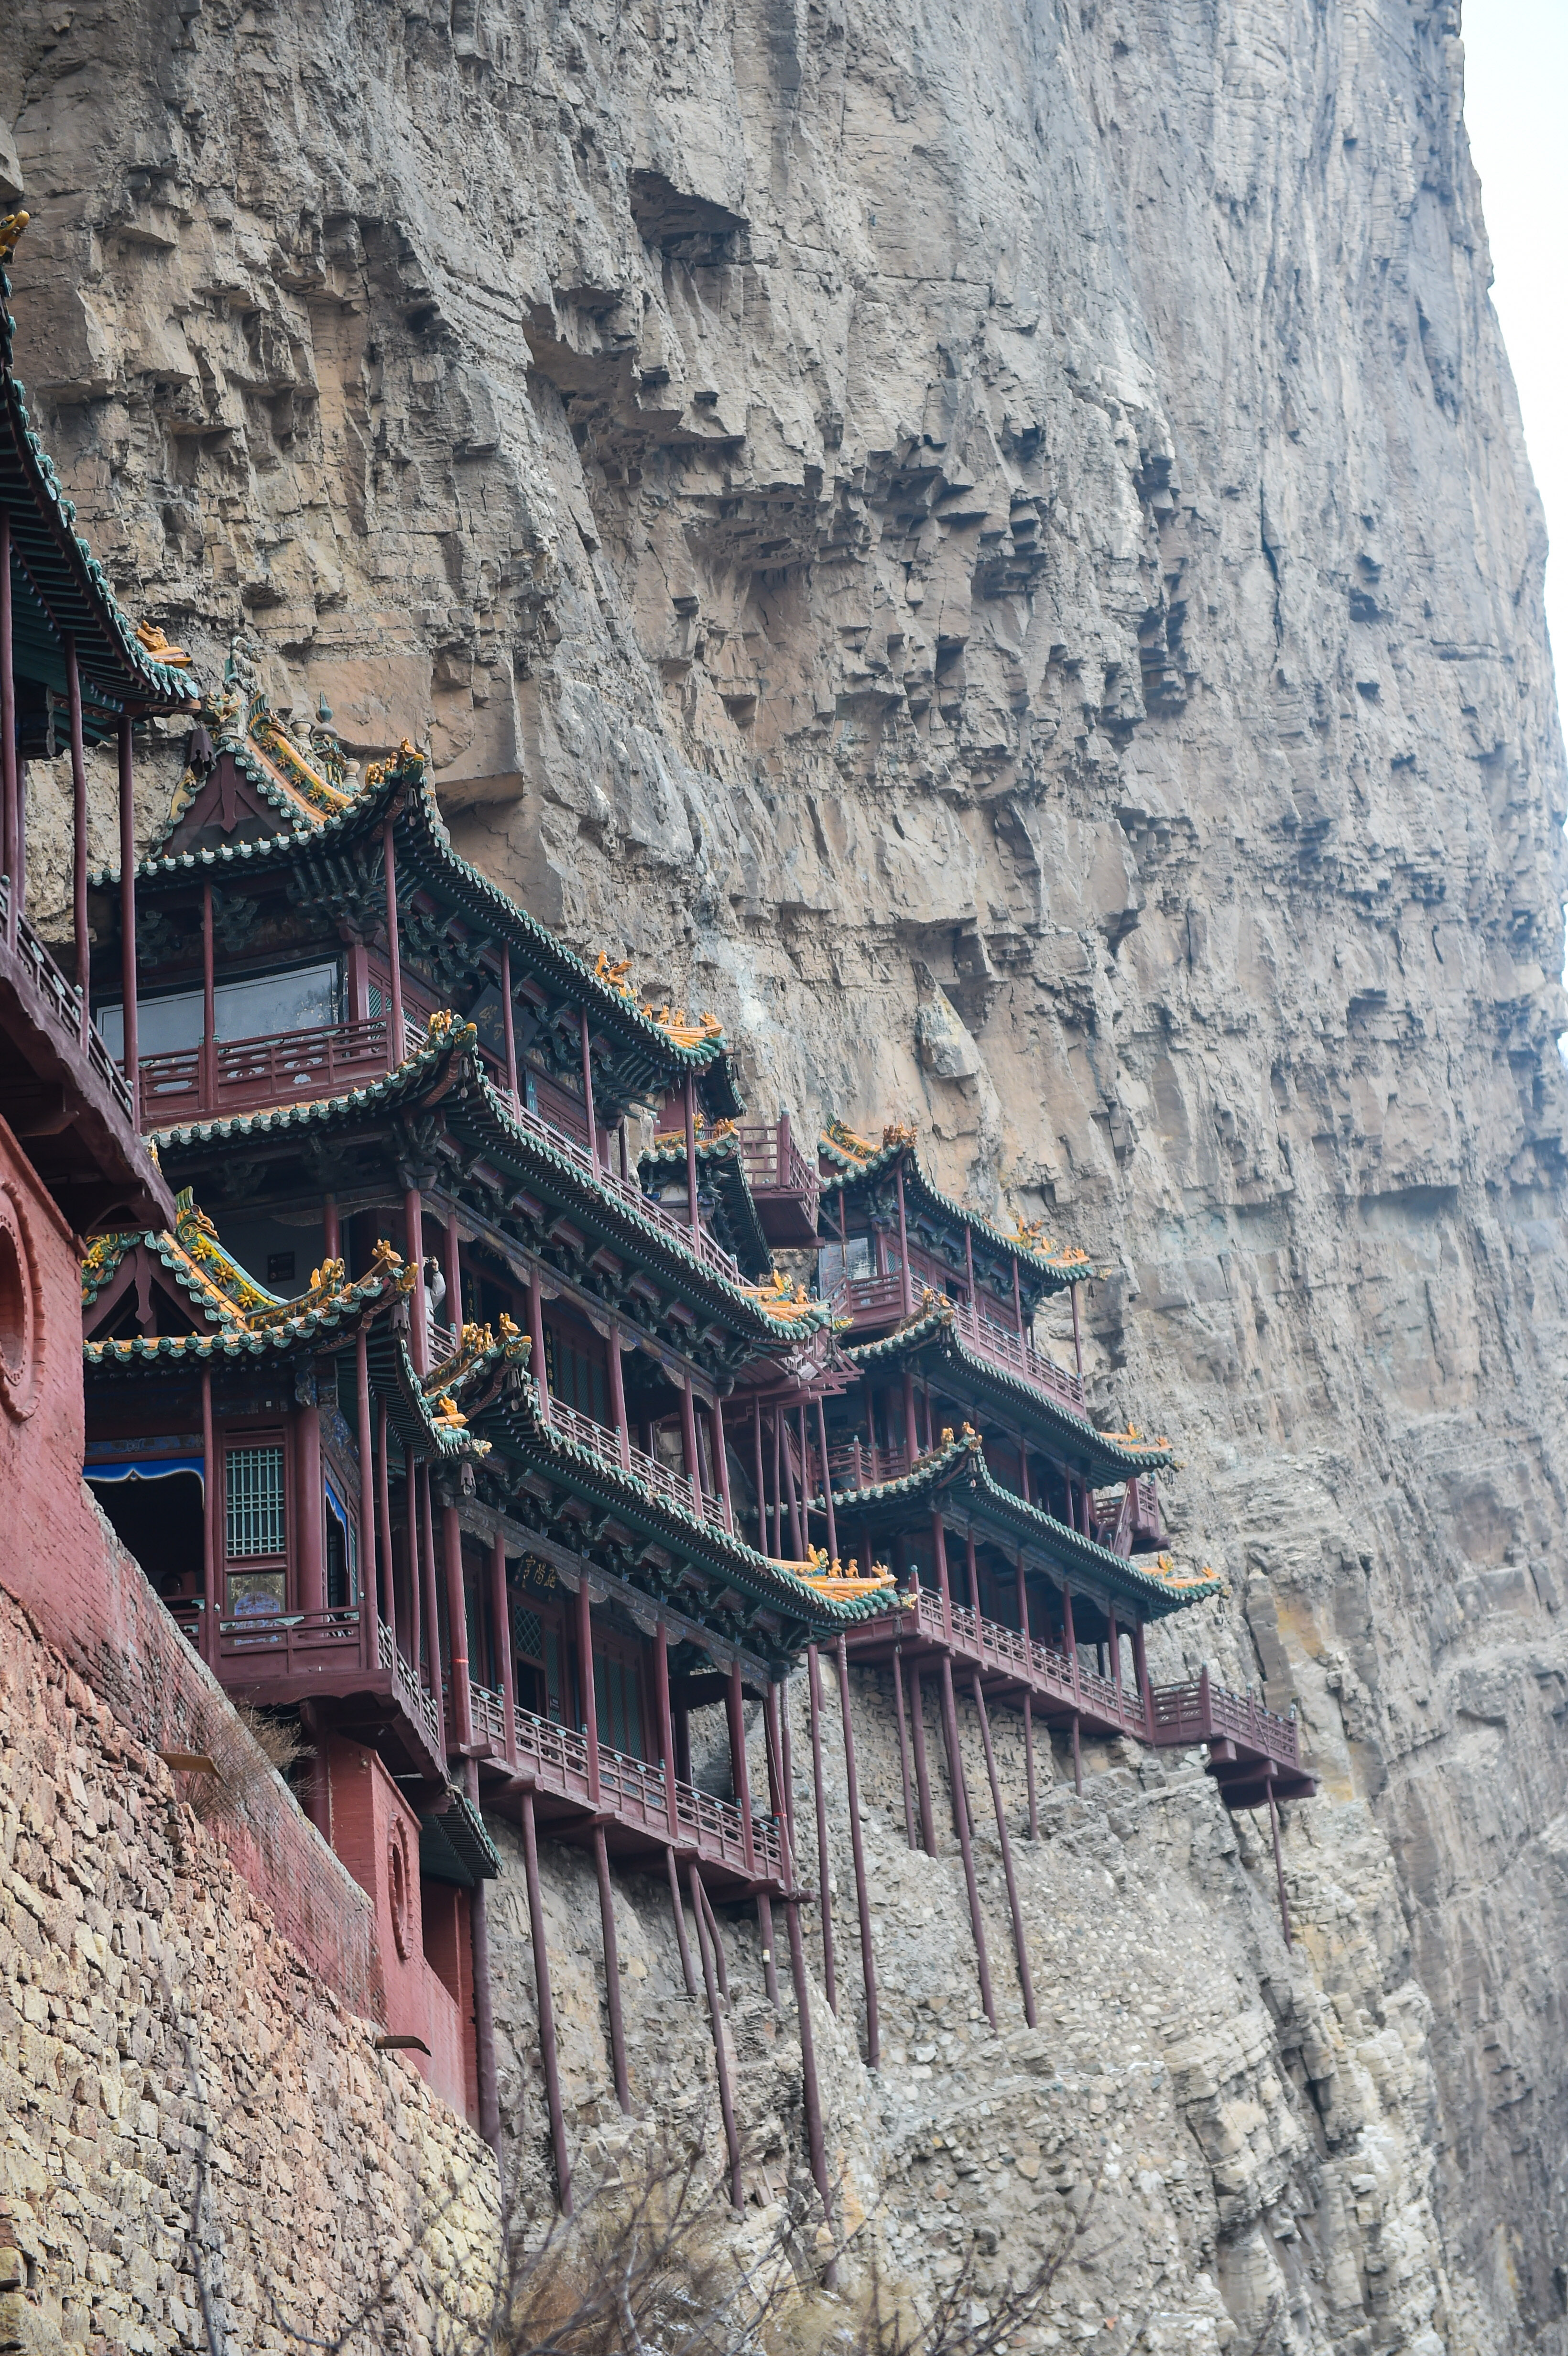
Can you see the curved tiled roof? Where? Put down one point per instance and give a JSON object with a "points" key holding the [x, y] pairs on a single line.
{"points": [[63, 586], [720, 1160], [935, 1322], [852, 1159], [334, 1305], [769, 1311], [1160, 1589]]}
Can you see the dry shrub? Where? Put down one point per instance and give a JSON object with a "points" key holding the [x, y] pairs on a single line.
{"points": [[246, 1747]]}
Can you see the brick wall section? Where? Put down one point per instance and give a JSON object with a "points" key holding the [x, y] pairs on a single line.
{"points": [[59, 1557], [147, 2000]]}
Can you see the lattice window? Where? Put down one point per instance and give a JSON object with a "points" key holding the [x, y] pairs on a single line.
{"points": [[528, 1634], [255, 1488]]}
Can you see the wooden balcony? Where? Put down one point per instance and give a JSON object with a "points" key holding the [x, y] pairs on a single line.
{"points": [[1004, 1346], [225, 1077], [628, 1190], [1249, 1748], [784, 1185], [1010, 1664], [632, 1798], [345, 1654], [670, 1487]]}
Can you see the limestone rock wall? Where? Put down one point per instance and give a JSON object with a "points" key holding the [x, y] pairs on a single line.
{"points": [[994, 548], [201, 2148]]}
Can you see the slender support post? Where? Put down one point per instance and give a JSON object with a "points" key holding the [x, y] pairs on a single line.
{"points": [[969, 1269], [1028, 1704], [1023, 1471], [78, 834], [766, 1933], [903, 1743], [508, 1028], [825, 1901], [415, 1553], [1279, 1865], [9, 845], [740, 1779], [592, 1126], [211, 1606], [588, 1697], [453, 1274], [757, 1476], [431, 1609], [722, 2059], [688, 1107], [546, 2005], [786, 1771], [799, 1536], [722, 1462], [538, 1366], [811, 2093], [708, 1916], [666, 1729], [906, 1287], [911, 1435], [1026, 1981], [209, 1026], [826, 1480], [331, 1230], [678, 1911], [501, 1624], [394, 950], [611, 1971], [459, 1723], [1140, 1670], [858, 1849], [778, 1489], [967, 1849], [1017, 1303], [366, 1495], [688, 1445], [618, 1397], [943, 1583], [486, 2075], [805, 1484], [388, 1583], [922, 1772], [1115, 1641], [972, 1573], [413, 1224], [130, 1048], [309, 1592], [1077, 1758], [1077, 1336]]}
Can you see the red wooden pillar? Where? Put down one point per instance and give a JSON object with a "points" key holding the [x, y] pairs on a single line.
{"points": [[414, 1563], [1077, 1337], [825, 1901], [942, 1581], [921, 1770], [912, 1436], [611, 1971], [131, 1049], [413, 1224], [388, 1586], [453, 1272], [757, 1475], [858, 1850], [903, 1743], [826, 1480], [618, 1397], [367, 1502], [740, 1777], [508, 1026], [212, 1605], [460, 1722], [1029, 1705], [588, 1089], [309, 1568], [537, 1365], [484, 2010], [331, 1232], [546, 2005], [688, 1445], [79, 836], [1070, 1639], [1026, 1981], [501, 1622], [1279, 1865], [720, 2057], [1113, 1638], [1140, 1670], [694, 1215], [208, 1081], [9, 860], [965, 1846], [721, 1461], [906, 1287], [394, 949], [588, 1699], [432, 1611]]}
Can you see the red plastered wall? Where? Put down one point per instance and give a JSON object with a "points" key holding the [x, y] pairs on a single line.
{"points": [[60, 1560], [422, 1932]]}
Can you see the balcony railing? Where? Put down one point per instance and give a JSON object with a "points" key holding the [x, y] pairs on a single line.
{"points": [[61, 1000], [697, 1240], [670, 1487], [225, 1077], [636, 1793], [1006, 1347], [415, 1696], [785, 1185], [1200, 1711]]}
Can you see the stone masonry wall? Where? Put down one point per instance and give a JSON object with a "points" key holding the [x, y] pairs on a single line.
{"points": [[186, 2109]]}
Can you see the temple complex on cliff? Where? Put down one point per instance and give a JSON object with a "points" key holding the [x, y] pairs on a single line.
{"points": [[477, 1385]]}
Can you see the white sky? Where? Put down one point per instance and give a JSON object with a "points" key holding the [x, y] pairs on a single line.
{"points": [[1516, 105]]}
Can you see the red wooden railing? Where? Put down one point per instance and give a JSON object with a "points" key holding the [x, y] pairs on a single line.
{"points": [[778, 1173], [1200, 1711], [697, 1240], [236, 1075], [634, 1791], [673, 1488], [61, 1000], [1006, 1347]]}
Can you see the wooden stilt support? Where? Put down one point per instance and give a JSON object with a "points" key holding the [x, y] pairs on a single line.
{"points": [[858, 1850], [484, 2071], [679, 1912], [1077, 1759], [903, 1743], [1026, 1981], [827, 1483], [1279, 1865], [720, 1963], [922, 1772], [546, 2005], [962, 1819], [823, 1900], [720, 2059], [811, 2093], [611, 1971], [766, 1933]]}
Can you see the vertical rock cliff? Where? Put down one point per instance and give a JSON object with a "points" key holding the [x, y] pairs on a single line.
{"points": [[993, 547]]}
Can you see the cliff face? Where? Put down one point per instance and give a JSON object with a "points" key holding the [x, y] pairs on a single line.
{"points": [[996, 552]]}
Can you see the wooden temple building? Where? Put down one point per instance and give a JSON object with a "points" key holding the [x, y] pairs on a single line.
{"points": [[442, 1374]]}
